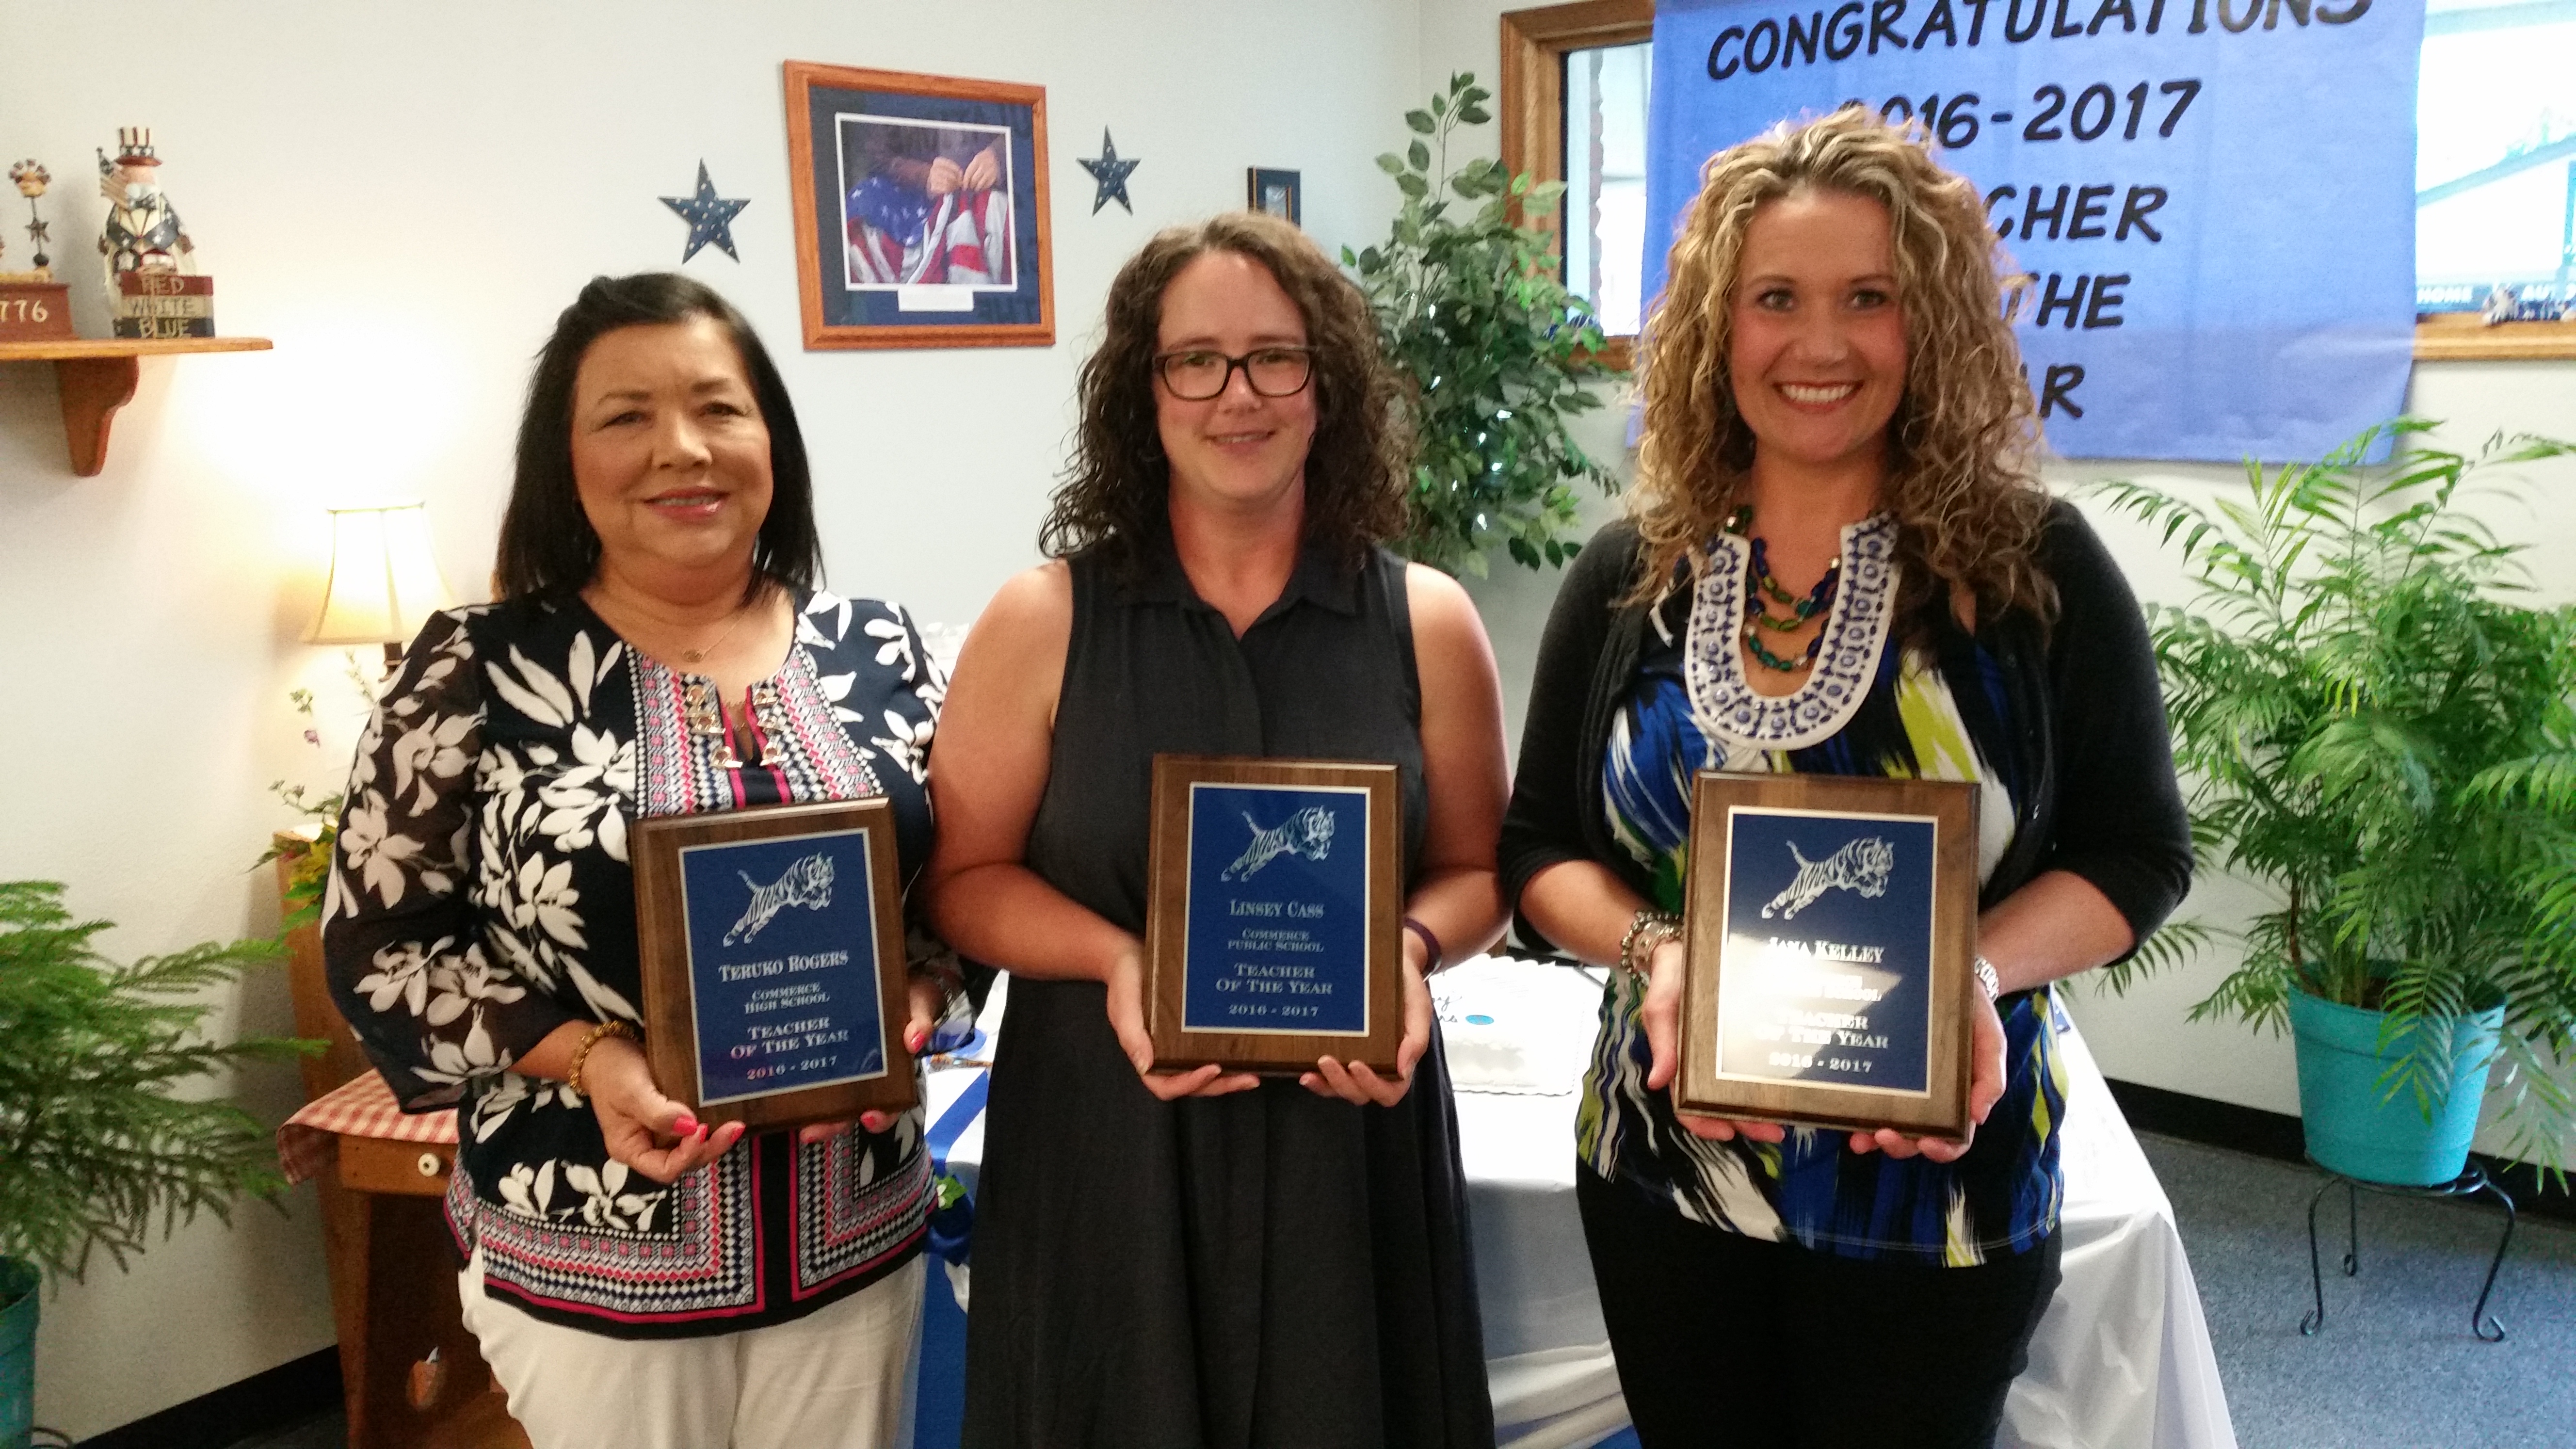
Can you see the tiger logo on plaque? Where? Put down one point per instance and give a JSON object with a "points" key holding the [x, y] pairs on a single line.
{"points": [[1273, 931], [773, 959], [1829, 927]]}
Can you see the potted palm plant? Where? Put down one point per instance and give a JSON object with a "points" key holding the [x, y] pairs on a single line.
{"points": [[1471, 309], [2379, 732], [93, 1145]]}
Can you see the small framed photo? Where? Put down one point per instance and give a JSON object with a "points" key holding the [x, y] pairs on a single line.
{"points": [[921, 209], [1279, 193]]}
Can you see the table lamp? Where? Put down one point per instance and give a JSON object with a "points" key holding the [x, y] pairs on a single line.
{"points": [[384, 583]]}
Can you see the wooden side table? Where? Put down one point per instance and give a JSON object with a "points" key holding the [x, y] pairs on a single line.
{"points": [[412, 1376]]}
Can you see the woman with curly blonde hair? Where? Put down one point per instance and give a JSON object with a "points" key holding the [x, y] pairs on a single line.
{"points": [[1190, 1257], [1838, 560]]}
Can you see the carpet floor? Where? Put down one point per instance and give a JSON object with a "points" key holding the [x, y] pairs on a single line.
{"points": [[2393, 1367]]}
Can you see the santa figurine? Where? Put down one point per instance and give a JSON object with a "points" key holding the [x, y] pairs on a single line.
{"points": [[142, 232]]}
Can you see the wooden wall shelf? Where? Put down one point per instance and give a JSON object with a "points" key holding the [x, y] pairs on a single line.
{"points": [[96, 376]]}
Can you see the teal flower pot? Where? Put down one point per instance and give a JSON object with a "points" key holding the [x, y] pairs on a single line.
{"points": [[2353, 1125], [18, 1284]]}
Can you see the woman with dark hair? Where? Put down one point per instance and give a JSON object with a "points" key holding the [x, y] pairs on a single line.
{"points": [[660, 648], [1837, 560], [1199, 1258]]}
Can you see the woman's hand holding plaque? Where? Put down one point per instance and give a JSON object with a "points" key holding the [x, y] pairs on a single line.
{"points": [[1356, 1083], [1127, 1018], [1985, 1088], [636, 1119], [1661, 1013], [926, 998]]}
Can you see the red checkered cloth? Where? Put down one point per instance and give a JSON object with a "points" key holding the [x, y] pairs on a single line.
{"points": [[309, 1143]]}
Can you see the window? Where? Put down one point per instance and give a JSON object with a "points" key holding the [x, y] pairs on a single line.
{"points": [[2495, 173], [2495, 164], [1588, 61], [1605, 180]]}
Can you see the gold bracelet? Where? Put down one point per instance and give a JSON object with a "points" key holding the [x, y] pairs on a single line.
{"points": [[581, 1053]]}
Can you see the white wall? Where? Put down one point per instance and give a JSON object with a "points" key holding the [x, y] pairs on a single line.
{"points": [[402, 197]]}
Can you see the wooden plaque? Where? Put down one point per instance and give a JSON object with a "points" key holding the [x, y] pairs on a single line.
{"points": [[1830, 926], [1274, 928], [35, 311], [771, 942]]}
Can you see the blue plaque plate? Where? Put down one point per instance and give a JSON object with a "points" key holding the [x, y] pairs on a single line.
{"points": [[1273, 930], [1278, 910], [781, 938], [773, 961], [1828, 949]]}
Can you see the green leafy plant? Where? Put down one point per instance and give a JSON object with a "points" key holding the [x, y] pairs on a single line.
{"points": [[2377, 733], [1498, 352], [310, 847], [93, 1144]]}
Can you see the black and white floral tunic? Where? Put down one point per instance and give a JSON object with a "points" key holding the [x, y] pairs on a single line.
{"points": [[481, 898]]}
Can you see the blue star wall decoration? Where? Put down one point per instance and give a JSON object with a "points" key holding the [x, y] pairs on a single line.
{"points": [[1111, 173], [710, 217]]}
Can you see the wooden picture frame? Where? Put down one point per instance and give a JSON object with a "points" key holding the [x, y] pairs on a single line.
{"points": [[897, 245], [1782, 1022], [780, 1007], [1275, 193], [1288, 940]]}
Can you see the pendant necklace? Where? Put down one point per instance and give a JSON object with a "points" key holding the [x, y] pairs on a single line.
{"points": [[693, 656]]}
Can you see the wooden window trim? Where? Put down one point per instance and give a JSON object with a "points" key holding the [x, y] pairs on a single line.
{"points": [[1533, 95], [2462, 337], [1533, 100]]}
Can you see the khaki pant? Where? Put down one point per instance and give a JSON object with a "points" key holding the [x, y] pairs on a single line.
{"points": [[838, 1378]]}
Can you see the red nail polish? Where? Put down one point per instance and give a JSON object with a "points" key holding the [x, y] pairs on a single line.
{"points": [[687, 1126], [701, 1133]]}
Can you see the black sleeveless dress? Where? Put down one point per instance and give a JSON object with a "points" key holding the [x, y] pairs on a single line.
{"points": [[1267, 1270]]}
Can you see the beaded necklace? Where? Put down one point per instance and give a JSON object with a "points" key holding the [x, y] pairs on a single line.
{"points": [[1764, 590]]}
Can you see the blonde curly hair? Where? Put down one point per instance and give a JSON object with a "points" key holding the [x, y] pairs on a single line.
{"points": [[1961, 479]]}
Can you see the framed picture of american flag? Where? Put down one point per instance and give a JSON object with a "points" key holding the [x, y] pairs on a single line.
{"points": [[921, 209]]}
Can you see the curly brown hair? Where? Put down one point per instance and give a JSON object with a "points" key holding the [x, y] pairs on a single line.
{"points": [[1113, 492], [1961, 476]]}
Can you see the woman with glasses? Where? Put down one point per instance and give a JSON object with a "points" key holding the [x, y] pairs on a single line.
{"points": [[1203, 1258]]}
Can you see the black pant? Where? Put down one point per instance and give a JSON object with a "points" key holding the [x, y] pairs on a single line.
{"points": [[1725, 1340]]}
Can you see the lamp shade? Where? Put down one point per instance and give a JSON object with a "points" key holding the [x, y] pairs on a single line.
{"points": [[384, 582]]}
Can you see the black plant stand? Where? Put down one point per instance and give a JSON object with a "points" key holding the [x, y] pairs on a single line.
{"points": [[2467, 1184]]}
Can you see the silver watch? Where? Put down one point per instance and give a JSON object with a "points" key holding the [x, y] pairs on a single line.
{"points": [[1987, 978]]}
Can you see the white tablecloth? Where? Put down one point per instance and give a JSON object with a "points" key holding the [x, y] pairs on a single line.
{"points": [[2122, 1361]]}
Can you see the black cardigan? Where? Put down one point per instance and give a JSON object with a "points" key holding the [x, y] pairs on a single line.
{"points": [[2088, 728]]}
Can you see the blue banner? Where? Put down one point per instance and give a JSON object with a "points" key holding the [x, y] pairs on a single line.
{"points": [[2214, 202], [1828, 974], [783, 964], [1278, 912]]}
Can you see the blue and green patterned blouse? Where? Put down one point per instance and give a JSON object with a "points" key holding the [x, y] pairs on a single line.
{"points": [[1865, 709]]}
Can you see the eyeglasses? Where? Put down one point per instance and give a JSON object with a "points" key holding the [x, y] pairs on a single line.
{"points": [[1195, 375]]}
